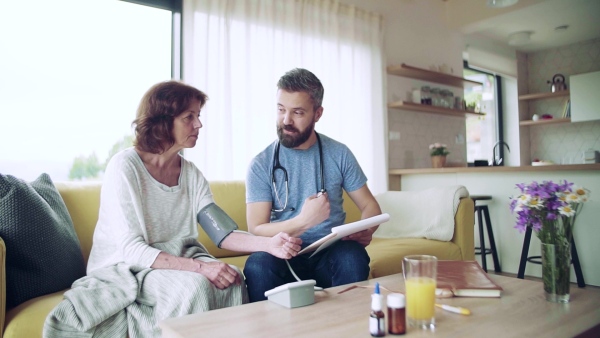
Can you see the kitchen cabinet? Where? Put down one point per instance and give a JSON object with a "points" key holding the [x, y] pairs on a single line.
{"points": [[405, 70], [585, 100], [542, 96]]}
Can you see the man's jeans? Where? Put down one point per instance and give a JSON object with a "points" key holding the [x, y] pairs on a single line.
{"points": [[342, 263]]}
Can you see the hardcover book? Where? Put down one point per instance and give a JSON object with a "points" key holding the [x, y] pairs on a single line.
{"points": [[567, 109], [466, 279]]}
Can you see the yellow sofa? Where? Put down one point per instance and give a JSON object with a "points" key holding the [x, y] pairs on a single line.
{"points": [[83, 200]]}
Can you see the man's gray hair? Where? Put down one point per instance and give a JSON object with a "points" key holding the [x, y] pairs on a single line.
{"points": [[302, 80]]}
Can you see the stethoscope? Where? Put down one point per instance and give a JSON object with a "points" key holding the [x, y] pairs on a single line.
{"points": [[278, 166]]}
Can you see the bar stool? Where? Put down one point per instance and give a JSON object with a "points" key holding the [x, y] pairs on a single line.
{"points": [[483, 211], [538, 259]]}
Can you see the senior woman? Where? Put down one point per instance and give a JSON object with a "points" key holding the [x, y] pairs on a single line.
{"points": [[146, 263]]}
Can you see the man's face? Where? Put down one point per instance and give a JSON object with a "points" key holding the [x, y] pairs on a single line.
{"points": [[296, 118]]}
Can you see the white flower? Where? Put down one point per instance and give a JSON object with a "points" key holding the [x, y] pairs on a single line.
{"points": [[572, 198], [535, 203], [562, 196], [524, 199], [567, 211], [583, 193], [438, 149]]}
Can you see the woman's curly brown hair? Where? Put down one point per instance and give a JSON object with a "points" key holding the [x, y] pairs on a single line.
{"points": [[157, 110]]}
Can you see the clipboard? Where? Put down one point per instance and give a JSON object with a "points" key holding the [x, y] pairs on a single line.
{"points": [[342, 231]]}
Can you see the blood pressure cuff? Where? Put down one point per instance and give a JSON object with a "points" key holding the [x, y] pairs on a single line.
{"points": [[216, 223]]}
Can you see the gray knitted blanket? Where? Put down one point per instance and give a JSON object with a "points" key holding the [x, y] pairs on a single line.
{"points": [[125, 300]]}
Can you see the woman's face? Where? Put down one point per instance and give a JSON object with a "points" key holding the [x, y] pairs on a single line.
{"points": [[186, 126]]}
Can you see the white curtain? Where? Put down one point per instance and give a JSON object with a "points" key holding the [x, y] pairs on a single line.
{"points": [[236, 50]]}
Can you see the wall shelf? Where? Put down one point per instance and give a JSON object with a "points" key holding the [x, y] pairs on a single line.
{"points": [[431, 76], [537, 96], [542, 96], [404, 105], [545, 121]]}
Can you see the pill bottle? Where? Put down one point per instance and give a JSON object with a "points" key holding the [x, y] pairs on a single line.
{"points": [[396, 308]]}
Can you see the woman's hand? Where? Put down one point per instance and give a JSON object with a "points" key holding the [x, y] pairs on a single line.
{"points": [[284, 246], [220, 274]]}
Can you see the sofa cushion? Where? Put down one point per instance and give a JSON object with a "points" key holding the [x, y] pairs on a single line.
{"points": [[42, 250], [387, 253], [427, 213], [27, 319]]}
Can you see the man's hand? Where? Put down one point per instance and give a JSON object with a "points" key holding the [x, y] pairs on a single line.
{"points": [[315, 210], [363, 237], [284, 246], [220, 274]]}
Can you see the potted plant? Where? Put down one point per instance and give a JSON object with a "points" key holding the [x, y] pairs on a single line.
{"points": [[438, 152]]}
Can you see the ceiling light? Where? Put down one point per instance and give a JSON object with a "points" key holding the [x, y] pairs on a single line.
{"points": [[519, 38], [501, 3]]}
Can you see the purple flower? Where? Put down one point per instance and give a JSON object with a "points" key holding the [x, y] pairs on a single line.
{"points": [[513, 204], [540, 205], [520, 227]]}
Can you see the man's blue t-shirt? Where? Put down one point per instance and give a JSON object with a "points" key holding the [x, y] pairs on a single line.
{"points": [[341, 171]]}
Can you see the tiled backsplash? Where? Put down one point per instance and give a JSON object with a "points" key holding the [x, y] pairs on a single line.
{"points": [[561, 143], [418, 131], [564, 144]]}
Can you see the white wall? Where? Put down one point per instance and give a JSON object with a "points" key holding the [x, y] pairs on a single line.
{"points": [[416, 34], [501, 186], [510, 104]]}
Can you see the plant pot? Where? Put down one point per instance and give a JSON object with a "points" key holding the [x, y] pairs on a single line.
{"points": [[556, 271], [438, 161]]}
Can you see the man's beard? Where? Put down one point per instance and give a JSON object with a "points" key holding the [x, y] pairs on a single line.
{"points": [[291, 141]]}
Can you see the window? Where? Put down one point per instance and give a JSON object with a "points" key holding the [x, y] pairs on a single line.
{"points": [[483, 132], [71, 77]]}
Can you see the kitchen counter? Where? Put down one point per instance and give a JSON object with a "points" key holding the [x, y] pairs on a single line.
{"points": [[555, 167], [501, 184], [395, 174]]}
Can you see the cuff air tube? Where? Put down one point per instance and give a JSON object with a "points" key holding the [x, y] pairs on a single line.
{"points": [[216, 223]]}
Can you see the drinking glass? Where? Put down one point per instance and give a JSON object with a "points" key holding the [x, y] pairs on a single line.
{"points": [[420, 273]]}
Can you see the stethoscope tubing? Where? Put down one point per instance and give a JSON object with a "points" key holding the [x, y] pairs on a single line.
{"points": [[277, 166]]}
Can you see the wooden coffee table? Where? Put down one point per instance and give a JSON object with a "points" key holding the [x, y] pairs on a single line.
{"points": [[522, 311]]}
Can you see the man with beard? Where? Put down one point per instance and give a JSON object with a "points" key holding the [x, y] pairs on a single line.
{"points": [[295, 185]]}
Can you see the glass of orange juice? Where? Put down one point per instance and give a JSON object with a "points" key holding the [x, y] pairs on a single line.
{"points": [[420, 273]]}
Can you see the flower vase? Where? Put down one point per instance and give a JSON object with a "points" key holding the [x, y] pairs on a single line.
{"points": [[556, 271], [438, 161], [550, 210]]}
